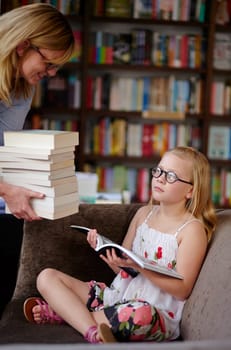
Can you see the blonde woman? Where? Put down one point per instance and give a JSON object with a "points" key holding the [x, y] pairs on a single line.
{"points": [[36, 40], [173, 232]]}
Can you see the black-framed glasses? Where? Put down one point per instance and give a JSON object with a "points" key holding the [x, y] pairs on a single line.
{"points": [[49, 65], [170, 176]]}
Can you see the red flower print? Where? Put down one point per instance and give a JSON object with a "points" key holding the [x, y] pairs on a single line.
{"points": [[171, 314], [172, 264], [143, 315], [124, 274], [124, 314], [145, 254], [158, 254]]}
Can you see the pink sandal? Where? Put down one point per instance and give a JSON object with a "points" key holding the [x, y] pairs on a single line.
{"points": [[47, 315], [103, 331]]}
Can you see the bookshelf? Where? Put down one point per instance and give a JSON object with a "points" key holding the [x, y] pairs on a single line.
{"points": [[104, 112]]}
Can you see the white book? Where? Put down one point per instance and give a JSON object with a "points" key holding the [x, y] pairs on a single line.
{"points": [[41, 138], [60, 212], [35, 153], [12, 157], [15, 179], [104, 243], [52, 203], [36, 164], [40, 174], [69, 186]]}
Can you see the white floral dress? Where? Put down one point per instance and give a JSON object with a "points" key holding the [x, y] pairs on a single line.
{"points": [[136, 308]]}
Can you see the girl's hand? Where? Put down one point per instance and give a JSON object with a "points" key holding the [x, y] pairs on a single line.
{"points": [[116, 262], [92, 238]]}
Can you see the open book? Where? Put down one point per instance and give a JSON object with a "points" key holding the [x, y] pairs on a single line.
{"points": [[104, 243]]}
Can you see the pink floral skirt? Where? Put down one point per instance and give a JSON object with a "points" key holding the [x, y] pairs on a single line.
{"points": [[131, 320]]}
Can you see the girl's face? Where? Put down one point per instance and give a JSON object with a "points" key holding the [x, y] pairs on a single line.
{"points": [[36, 63], [162, 190]]}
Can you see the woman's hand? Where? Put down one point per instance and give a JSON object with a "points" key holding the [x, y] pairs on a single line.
{"points": [[18, 199]]}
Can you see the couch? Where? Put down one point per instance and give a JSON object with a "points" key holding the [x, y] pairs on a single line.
{"points": [[206, 322]]}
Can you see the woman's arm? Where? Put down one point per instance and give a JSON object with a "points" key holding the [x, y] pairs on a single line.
{"points": [[18, 199]]}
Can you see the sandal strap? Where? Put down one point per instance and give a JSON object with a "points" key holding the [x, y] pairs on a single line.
{"points": [[91, 334], [47, 314]]}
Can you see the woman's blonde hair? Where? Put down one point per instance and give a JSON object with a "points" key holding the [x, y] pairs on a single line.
{"points": [[200, 204], [45, 27]]}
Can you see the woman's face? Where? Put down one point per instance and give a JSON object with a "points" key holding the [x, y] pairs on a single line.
{"points": [[36, 63]]}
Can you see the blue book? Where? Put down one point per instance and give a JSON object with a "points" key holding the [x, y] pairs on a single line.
{"points": [[146, 94]]}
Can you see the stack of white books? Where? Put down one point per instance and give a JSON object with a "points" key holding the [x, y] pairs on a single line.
{"points": [[43, 161]]}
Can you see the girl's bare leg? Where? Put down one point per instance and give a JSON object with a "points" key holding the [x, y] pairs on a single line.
{"points": [[67, 296]]}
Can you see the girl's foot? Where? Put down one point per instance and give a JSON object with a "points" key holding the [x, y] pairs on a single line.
{"points": [[38, 311]]}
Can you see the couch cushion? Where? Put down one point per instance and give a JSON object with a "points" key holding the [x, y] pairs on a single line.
{"points": [[54, 244], [207, 312]]}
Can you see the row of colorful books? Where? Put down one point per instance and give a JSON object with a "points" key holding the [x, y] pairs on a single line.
{"points": [[119, 138], [137, 181], [67, 7], [144, 93], [37, 121], [146, 47], [176, 10], [43, 161], [220, 102], [60, 91], [221, 186], [178, 50], [118, 178]]}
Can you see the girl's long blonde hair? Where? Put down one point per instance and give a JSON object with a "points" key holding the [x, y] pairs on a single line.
{"points": [[200, 204], [45, 27]]}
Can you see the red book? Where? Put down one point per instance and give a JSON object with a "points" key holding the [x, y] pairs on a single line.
{"points": [[184, 51], [147, 140]]}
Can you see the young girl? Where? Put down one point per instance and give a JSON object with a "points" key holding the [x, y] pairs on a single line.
{"points": [[149, 306]]}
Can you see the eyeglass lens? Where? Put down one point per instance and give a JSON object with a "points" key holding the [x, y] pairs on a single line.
{"points": [[49, 65], [170, 176]]}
